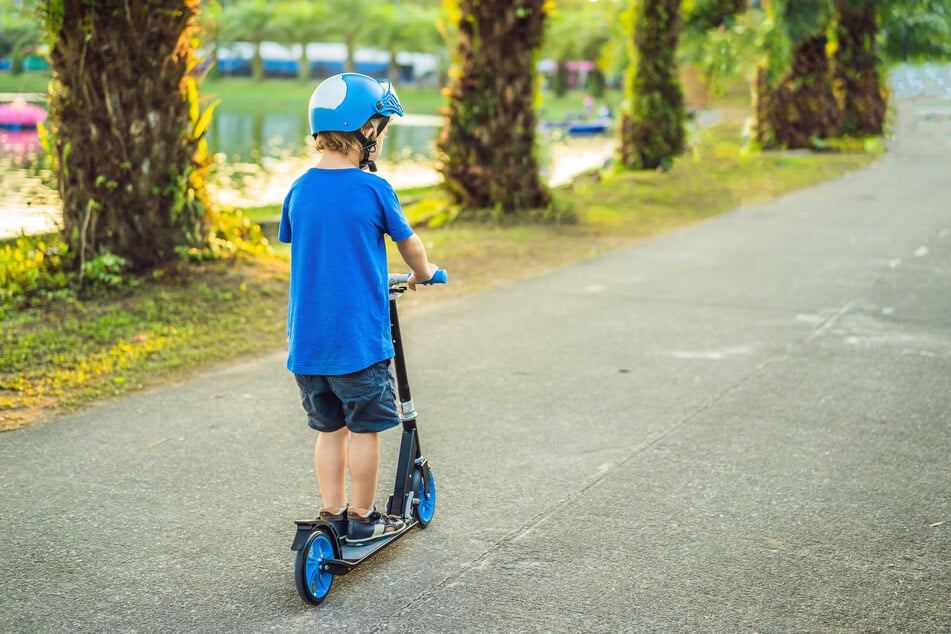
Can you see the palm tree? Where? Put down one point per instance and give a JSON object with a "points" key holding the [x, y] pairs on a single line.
{"points": [[125, 129], [916, 30], [578, 33], [18, 33], [488, 142], [652, 122], [349, 21], [715, 38], [709, 14], [403, 27], [248, 21], [799, 107], [856, 68], [300, 22], [209, 25]]}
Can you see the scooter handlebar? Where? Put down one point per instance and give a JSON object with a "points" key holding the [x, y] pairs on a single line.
{"points": [[439, 277]]}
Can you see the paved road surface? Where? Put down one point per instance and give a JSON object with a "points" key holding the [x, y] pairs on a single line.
{"points": [[743, 426]]}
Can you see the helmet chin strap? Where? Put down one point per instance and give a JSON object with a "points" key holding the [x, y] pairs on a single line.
{"points": [[369, 146]]}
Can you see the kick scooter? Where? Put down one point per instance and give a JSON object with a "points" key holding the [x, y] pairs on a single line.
{"points": [[321, 546]]}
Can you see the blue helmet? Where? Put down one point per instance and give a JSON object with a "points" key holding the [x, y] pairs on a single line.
{"points": [[345, 102]]}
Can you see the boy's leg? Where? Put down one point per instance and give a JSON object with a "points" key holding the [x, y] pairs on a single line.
{"points": [[364, 464], [366, 523], [330, 459]]}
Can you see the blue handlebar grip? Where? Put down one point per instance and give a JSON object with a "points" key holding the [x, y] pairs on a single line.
{"points": [[439, 277]]}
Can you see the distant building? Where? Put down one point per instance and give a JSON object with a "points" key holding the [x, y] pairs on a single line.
{"points": [[283, 60]]}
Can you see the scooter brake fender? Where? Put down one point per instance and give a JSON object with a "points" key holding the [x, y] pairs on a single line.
{"points": [[306, 527]]}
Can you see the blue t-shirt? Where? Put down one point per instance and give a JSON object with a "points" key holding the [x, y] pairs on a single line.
{"points": [[338, 318]]}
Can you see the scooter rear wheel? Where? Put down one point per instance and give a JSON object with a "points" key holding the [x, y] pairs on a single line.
{"points": [[424, 490], [310, 573]]}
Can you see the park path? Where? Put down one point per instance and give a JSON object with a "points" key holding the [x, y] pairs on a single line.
{"points": [[742, 426]]}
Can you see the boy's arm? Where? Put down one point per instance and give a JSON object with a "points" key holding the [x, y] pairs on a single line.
{"points": [[414, 254]]}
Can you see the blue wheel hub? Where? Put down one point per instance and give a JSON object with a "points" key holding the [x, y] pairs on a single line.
{"points": [[425, 488], [313, 578]]}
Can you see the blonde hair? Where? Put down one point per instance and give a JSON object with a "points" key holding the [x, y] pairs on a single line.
{"points": [[333, 141], [342, 142]]}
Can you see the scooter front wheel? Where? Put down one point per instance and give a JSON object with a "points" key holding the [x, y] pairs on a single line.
{"points": [[424, 490], [310, 572]]}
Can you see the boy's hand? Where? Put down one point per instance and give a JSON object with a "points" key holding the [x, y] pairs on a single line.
{"points": [[414, 279]]}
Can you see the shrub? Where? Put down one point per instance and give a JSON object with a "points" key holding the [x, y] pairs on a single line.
{"points": [[38, 269], [32, 268], [232, 234]]}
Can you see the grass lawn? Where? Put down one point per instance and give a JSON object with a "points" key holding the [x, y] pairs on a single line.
{"points": [[71, 354], [24, 82]]}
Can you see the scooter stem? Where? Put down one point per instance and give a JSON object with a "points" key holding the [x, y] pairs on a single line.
{"points": [[407, 411]]}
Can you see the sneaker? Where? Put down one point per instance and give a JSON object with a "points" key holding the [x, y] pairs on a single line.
{"points": [[338, 520], [373, 525]]}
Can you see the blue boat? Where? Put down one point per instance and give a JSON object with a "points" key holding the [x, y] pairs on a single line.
{"points": [[581, 127]]}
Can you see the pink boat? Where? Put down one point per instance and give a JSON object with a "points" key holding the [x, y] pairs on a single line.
{"points": [[20, 114], [20, 143]]}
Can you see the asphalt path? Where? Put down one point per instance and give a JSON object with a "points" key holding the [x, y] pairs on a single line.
{"points": [[742, 426]]}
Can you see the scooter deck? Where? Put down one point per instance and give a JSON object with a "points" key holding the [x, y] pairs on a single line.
{"points": [[359, 551], [352, 555]]}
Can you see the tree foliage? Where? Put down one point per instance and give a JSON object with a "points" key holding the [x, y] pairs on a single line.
{"points": [[578, 33], [916, 30], [301, 22], [722, 42], [18, 33], [488, 142], [126, 130], [402, 27], [652, 119], [703, 15], [353, 23], [249, 21]]}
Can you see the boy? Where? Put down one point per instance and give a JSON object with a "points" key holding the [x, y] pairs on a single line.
{"points": [[335, 217]]}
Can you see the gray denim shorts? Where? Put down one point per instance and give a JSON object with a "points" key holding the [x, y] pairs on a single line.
{"points": [[363, 401]]}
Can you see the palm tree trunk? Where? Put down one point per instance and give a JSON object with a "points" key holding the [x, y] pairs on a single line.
{"points": [[803, 108], [488, 143], [856, 69], [350, 64], [303, 64], [652, 127], [257, 61], [122, 130]]}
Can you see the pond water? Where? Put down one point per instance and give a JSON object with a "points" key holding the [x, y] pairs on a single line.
{"points": [[28, 198], [257, 157]]}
